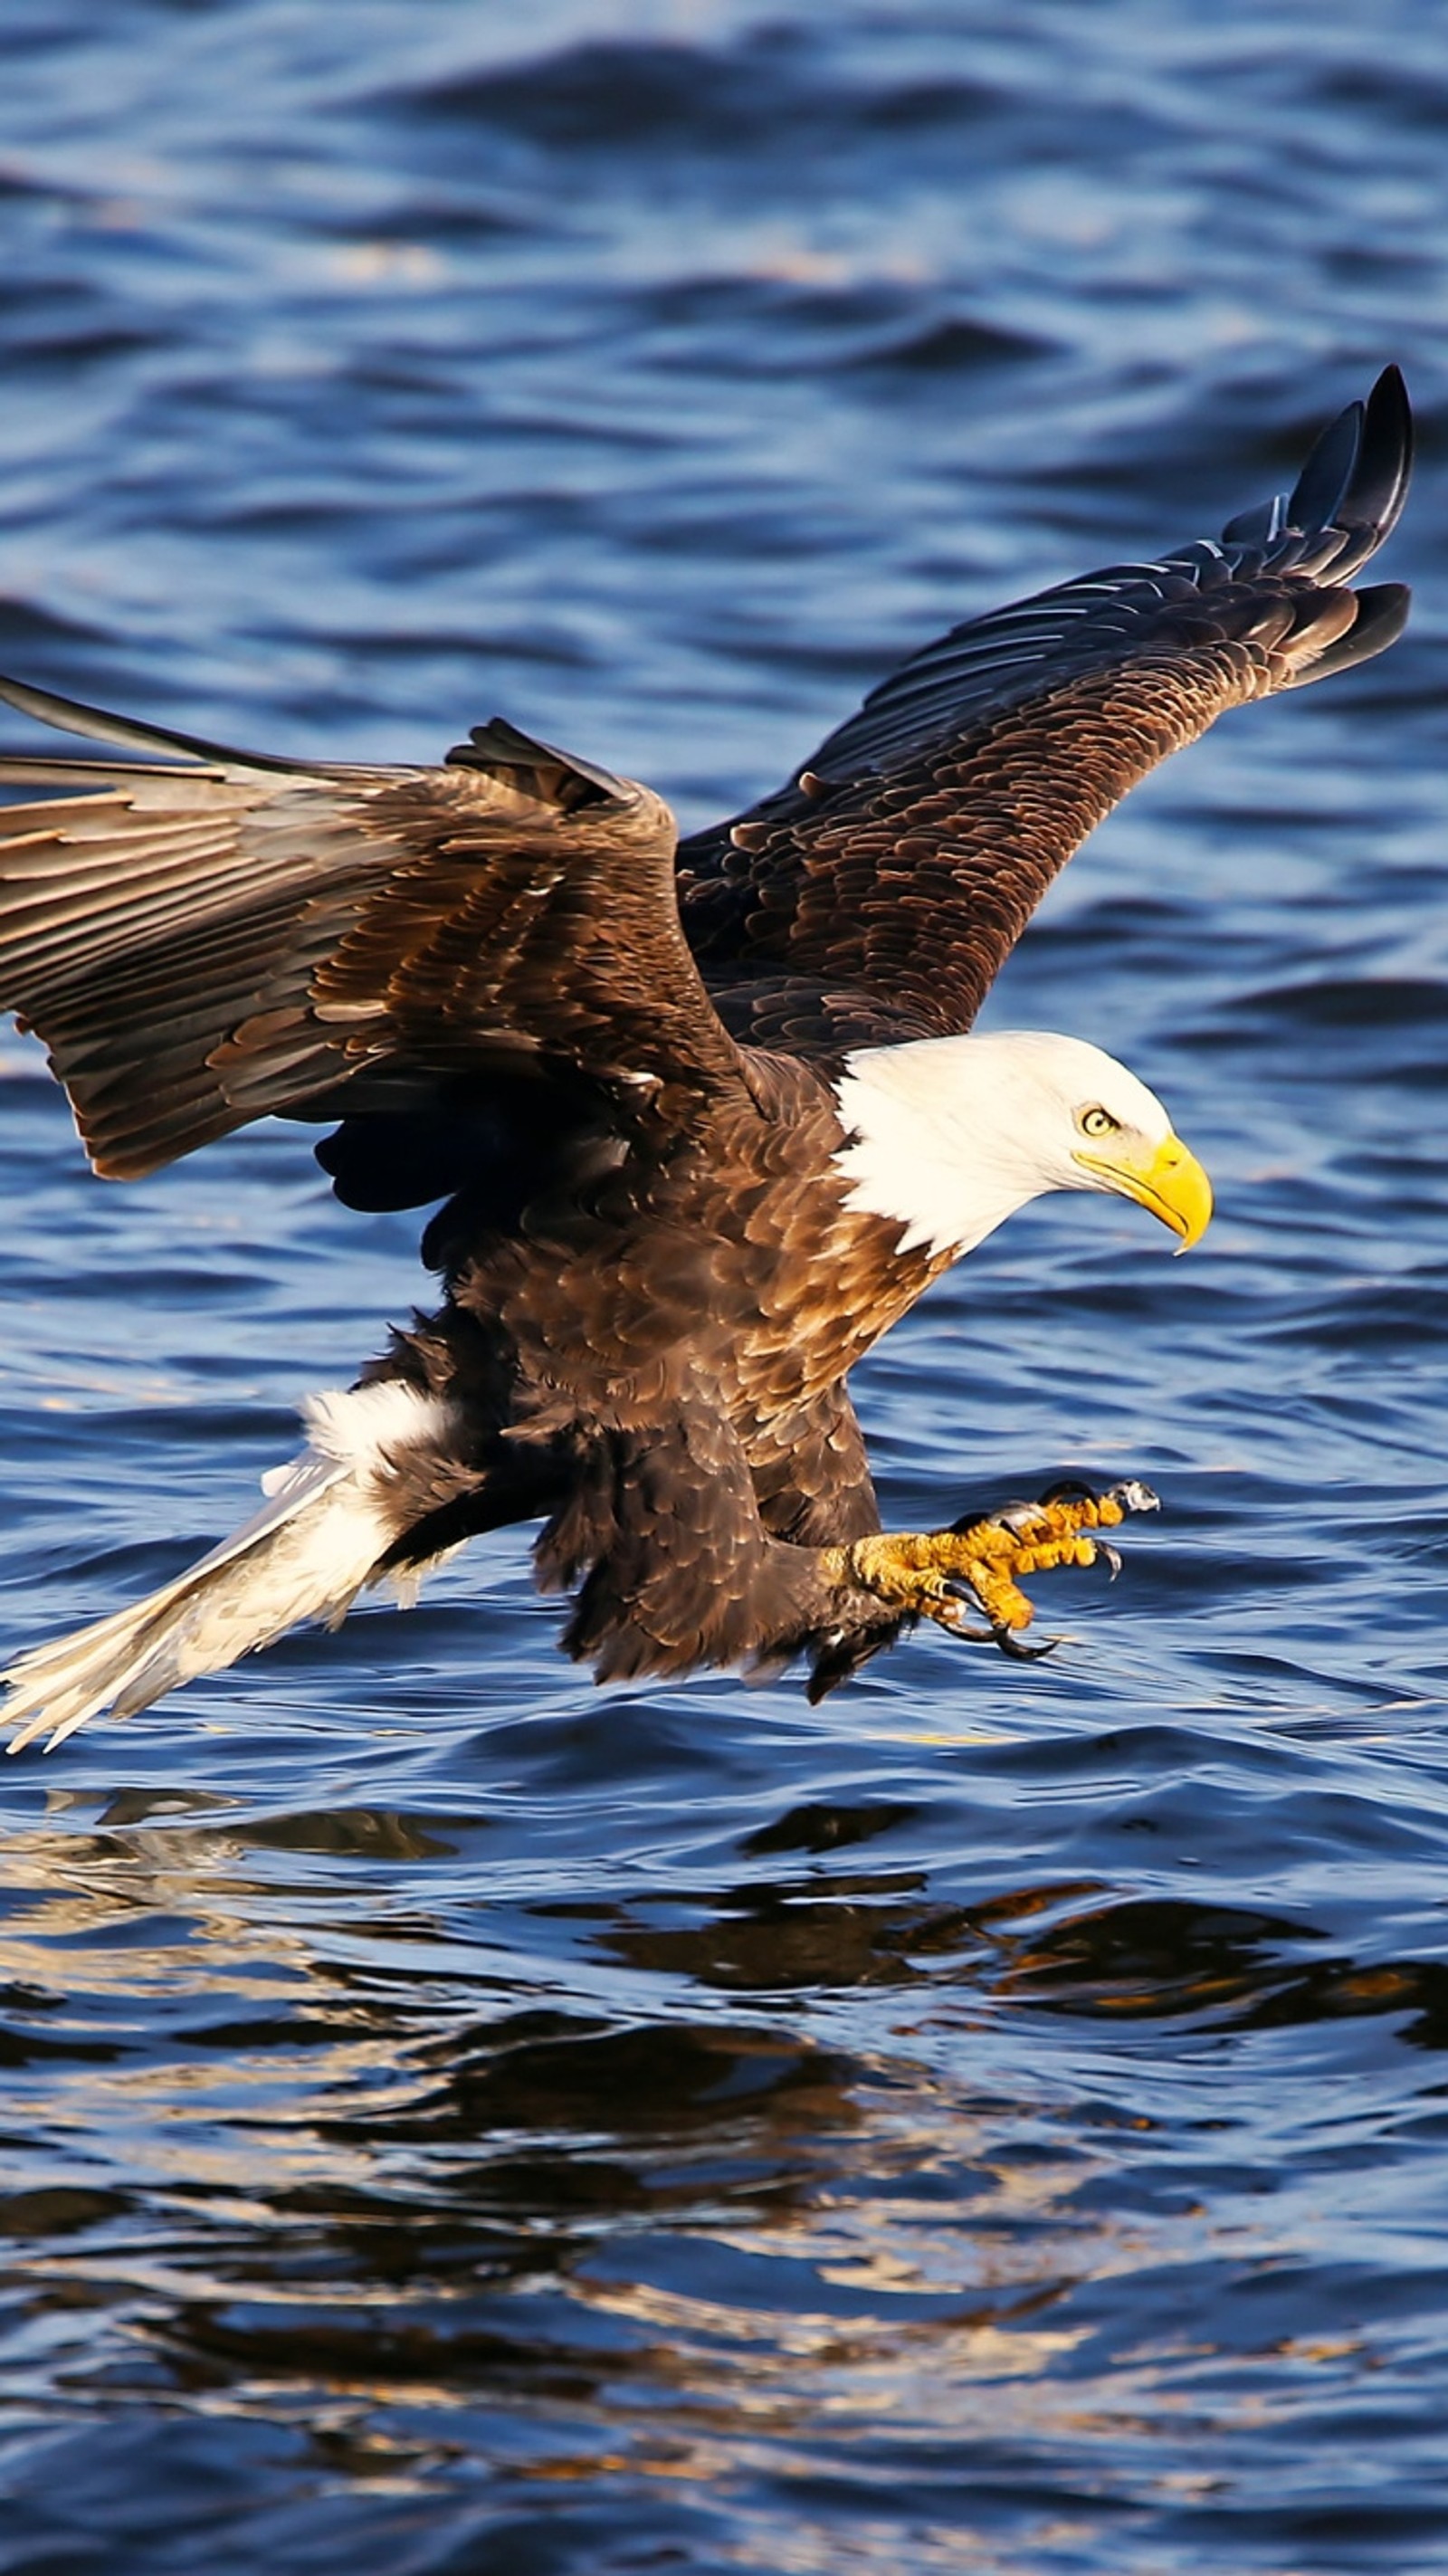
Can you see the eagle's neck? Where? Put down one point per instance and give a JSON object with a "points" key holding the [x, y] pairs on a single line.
{"points": [[941, 1136]]}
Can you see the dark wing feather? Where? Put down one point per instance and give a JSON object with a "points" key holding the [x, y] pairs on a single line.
{"points": [[878, 894], [226, 935]]}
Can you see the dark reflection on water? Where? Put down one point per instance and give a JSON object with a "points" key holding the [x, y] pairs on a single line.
{"points": [[453, 2120], [365, 2229]]}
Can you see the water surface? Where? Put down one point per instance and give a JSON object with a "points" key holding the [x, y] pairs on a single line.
{"points": [[456, 2119]]}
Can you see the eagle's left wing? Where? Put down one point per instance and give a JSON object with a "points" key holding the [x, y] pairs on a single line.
{"points": [[878, 894], [214, 936]]}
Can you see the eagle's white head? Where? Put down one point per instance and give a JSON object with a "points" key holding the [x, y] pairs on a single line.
{"points": [[951, 1135]]}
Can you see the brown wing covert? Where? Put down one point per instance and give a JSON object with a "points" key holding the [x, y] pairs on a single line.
{"points": [[201, 942], [878, 894]]}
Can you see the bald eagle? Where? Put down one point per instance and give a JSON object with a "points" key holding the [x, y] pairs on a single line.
{"points": [[700, 1120]]}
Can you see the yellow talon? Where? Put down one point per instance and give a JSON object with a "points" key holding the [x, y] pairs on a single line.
{"points": [[923, 1573]]}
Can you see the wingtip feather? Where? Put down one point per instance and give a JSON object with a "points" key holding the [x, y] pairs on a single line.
{"points": [[96, 724], [1357, 473]]}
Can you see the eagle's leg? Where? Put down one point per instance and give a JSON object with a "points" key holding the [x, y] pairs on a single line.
{"points": [[942, 1574]]}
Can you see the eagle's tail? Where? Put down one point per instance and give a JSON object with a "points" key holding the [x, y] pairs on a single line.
{"points": [[369, 1470]]}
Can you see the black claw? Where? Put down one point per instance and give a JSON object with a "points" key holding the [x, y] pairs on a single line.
{"points": [[1010, 1644]]}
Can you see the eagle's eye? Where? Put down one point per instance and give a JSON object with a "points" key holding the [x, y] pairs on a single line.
{"points": [[1097, 1122]]}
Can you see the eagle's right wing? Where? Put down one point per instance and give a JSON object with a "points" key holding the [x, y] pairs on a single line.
{"points": [[204, 941]]}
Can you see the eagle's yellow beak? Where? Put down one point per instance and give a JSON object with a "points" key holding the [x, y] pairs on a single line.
{"points": [[1168, 1179]]}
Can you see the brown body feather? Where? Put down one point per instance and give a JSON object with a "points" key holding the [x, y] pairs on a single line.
{"points": [[655, 1287], [652, 1358]]}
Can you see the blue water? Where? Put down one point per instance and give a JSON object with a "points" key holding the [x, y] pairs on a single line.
{"points": [[458, 2120]]}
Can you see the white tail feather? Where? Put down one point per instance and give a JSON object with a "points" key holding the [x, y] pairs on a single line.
{"points": [[305, 1555]]}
